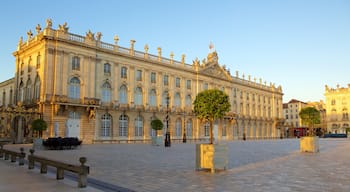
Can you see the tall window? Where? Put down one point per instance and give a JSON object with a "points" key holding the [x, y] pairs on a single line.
{"points": [[138, 126], [21, 92], [138, 96], [205, 86], [123, 126], [30, 65], [29, 90], [123, 95], [224, 129], [76, 63], [106, 92], [177, 82], [189, 128], [153, 77], [123, 72], [3, 98], [152, 98], [178, 128], [11, 96], [138, 75], [74, 88], [164, 99], [38, 61], [166, 80], [74, 115], [206, 129], [107, 68], [188, 101], [37, 88], [177, 100], [188, 84], [106, 125]]}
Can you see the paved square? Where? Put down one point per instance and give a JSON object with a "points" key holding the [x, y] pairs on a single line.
{"points": [[263, 165]]}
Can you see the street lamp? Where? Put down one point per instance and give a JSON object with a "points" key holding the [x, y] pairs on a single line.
{"points": [[167, 141], [184, 135]]}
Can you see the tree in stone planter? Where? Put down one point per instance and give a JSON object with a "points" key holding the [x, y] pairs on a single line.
{"points": [[157, 125], [39, 125], [310, 116], [210, 105]]}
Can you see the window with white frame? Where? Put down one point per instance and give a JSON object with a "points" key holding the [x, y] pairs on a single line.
{"points": [[178, 128], [152, 98], [123, 126], [153, 77], [177, 82], [106, 125], [37, 88], [74, 88], [123, 95], [107, 68], [21, 92], [123, 72], [166, 80], [138, 96], [76, 63], [138, 75], [165, 99], [138, 126], [28, 95], [177, 100], [188, 84], [188, 101], [205, 86], [106, 92], [189, 128]]}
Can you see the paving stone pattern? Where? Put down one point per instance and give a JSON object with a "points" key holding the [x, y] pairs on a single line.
{"points": [[265, 165]]}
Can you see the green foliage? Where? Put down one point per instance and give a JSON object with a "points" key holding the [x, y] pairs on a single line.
{"points": [[210, 105], [157, 124], [310, 116], [39, 125]]}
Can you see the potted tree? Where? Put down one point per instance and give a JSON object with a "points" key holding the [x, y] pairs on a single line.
{"points": [[309, 143], [38, 126], [157, 125], [211, 105]]}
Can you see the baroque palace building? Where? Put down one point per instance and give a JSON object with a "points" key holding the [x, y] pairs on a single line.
{"points": [[337, 108], [103, 93]]}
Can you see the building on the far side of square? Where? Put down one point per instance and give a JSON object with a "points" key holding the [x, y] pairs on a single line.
{"points": [[337, 107]]}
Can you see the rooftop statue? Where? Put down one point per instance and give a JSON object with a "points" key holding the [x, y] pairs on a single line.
{"points": [[48, 23]]}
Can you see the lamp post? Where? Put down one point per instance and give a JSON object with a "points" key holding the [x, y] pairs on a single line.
{"points": [[184, 135], [167, 141]]}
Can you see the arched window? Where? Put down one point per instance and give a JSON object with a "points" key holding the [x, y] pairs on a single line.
{"points": [[106, 125], [178, 128], [107, 68], [189, 128], [177, 100], [74, 88], [21, 92], [106, 92], [138, 126], [123, 126], [138, 96], [152, 98], [28, 90], [123, 95], [206, 129], [37, 88], [188, 101]]}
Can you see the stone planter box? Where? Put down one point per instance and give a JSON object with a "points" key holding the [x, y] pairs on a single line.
{"points": [[157, 140], [211, 157], [309, 144]]}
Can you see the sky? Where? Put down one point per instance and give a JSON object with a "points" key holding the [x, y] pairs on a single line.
{"points": [[301, 45]]}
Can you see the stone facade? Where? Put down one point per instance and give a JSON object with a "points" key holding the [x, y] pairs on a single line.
{"points": [[103, 92], [337, 107]]}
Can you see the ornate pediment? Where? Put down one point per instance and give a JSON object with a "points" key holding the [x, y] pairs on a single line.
{"points": [[211, 67]]}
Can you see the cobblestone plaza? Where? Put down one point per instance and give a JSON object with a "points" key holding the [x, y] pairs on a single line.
{"points": [[267, 165]]}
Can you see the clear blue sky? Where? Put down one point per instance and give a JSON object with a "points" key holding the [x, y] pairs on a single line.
{"points": [[301, 45]]}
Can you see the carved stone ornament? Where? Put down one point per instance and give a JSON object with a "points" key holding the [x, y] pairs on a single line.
{"points": [[63, 28], [90, 35], [48, 23]]}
